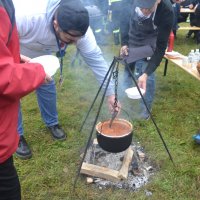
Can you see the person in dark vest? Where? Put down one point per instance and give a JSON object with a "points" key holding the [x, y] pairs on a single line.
{"points": [[183, 17], [146, 25]]}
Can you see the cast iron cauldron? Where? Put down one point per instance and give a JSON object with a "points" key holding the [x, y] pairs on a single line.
{"points": [[116, 138]]}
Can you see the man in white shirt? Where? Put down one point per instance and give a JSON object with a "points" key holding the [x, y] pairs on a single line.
{"points": [[49, 26]]}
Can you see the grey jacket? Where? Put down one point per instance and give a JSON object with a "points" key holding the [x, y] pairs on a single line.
{"points": [[34, 23]]}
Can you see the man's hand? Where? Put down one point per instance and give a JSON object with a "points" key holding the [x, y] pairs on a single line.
{"points": [[47, 79], [191, 6], [142, 81], [24, 59], [111, 106], [124, 51]]}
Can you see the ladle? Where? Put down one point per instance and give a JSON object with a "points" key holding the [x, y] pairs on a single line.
{"points": [[114, 115]]}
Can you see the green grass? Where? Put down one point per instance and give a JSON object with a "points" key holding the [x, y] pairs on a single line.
{"points": [[50, 174]]}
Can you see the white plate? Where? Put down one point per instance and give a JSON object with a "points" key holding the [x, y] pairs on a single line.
{"points": [[133, 93], [50, 63]]}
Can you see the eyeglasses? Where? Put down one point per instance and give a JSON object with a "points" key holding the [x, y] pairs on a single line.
{"points": [[72, 35], [78, 36]]}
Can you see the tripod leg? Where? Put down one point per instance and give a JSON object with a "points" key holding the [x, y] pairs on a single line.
{"points": [[95, 121], [158, 131]]}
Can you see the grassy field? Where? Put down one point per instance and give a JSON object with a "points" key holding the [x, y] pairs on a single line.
{"points": [[50, 173]]}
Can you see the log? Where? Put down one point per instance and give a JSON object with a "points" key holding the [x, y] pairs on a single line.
{"points": [[123, 172], [101, 172]]}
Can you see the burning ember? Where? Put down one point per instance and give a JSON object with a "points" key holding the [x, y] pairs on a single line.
{"points": [[133, 161]]}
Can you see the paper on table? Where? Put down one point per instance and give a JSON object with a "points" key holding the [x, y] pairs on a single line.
{"points": [[173, 54]]}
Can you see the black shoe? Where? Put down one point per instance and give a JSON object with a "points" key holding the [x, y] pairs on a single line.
{"points": [[23, 150], [57, 132], [116, 38], [189, 34]]}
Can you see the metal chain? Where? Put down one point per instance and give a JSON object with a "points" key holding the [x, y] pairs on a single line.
{"points": [[115, 77]]}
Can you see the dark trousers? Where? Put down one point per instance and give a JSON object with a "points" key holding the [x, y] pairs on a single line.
{"points": [[9, 181]]}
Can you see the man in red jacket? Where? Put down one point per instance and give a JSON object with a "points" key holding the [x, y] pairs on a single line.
{"points": [[16, 80]]}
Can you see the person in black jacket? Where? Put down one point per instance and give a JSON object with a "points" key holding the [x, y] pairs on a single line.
{"points": [[96, 16], [195, 21], [145, 24]]}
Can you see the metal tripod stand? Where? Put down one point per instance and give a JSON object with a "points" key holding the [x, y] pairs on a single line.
{"points": [[113, 70]]}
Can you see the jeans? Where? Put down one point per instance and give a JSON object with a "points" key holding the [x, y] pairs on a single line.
{"points": [[176, 8], [9, 181], [138, 68], [46, 96]]}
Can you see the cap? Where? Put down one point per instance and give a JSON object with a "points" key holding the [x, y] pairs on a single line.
{"points": [[145, 3], [72, 15]]}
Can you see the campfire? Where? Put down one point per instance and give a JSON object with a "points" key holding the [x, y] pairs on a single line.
{"points": [[130, 169]]}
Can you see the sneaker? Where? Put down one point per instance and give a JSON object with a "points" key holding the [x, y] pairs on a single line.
{"points": [[57, 132], [23, 151], [196, 138]]}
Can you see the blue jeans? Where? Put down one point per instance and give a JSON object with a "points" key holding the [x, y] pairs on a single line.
{"points": [[46, 96], [138, 69], [176, 8]]}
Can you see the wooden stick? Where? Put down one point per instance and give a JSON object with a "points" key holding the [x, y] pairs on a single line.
{"points": [[189, 28], [123, 172], [101, 172]]}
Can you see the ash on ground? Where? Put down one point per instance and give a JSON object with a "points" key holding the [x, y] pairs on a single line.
{"points": [[140, 169]]}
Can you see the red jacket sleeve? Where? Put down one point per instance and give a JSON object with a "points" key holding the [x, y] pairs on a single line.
{"points": [[16, 80]]}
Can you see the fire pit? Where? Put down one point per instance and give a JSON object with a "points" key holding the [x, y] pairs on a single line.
{"points": [[103, 168]]}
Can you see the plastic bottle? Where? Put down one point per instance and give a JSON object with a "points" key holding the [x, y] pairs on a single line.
{"points": [[197, 55], [195, 59], [171, 42], [191, 57]]}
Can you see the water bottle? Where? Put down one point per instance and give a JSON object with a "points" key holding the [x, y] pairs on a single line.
{"points": [[191, 57], [197, 55], [195, 59], [171, 42]]}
